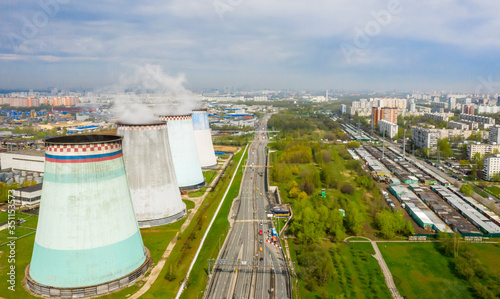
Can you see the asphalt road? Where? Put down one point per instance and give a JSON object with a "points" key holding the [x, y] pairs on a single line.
{"points": [[240, 272]]}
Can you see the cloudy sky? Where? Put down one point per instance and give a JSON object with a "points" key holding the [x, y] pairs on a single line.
{"points": [[275, 44]]}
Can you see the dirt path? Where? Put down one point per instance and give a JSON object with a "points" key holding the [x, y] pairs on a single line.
{"points": [[389, 281]]}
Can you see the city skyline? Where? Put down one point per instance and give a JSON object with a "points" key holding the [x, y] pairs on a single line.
{"points": [[379, 45]]}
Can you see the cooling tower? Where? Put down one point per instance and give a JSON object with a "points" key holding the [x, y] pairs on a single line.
{"points": [[184, 153], [87, 242], [203, 138], [151, 175]]}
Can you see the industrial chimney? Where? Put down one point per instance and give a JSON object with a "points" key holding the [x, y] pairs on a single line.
{"points": [[151, 175], [87, 242], [203, 138], [184, 153]]}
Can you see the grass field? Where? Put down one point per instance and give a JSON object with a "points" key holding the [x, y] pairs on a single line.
{"points": [[495, 190], [356, 275], [363, 246], [421, 271]]}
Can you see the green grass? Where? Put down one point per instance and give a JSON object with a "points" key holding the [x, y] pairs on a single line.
{"points": [[198, 193], [187, 244], [363, 246], [189, 204], [421, 271], [210, 175], [489, 255], [356, 275], [494, 189]]}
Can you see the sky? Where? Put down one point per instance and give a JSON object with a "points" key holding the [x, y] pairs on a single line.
{"points": [[421, 45]]}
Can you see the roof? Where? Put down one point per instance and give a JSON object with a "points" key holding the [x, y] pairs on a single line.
{"points": [[33, 188], [27, 152]]}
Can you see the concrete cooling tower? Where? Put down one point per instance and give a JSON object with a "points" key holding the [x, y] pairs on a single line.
{"points": [[151, 175], [87, 241], [203, 138], [183, 147]]}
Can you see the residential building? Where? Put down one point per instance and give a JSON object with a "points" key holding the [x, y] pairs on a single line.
{"points": [[343, 109], [482, 149], [494, 137], [457, 125], [424, 138], [491, 167], [389, 114], [452, 102], [390, 128], [483, 120], [468, 109], [483, 109], [439, 116]]}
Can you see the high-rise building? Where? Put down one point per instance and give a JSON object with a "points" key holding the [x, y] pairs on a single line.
{"points": [[389, 114], [343, 108], [452, 102], [494, 136], [491, 167], [468, 109], [390, 129], [424, 138]]}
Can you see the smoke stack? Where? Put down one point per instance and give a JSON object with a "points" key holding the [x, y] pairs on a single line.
{"points": [[151, 175], [203, 138], [185, 156], [87, 241]]}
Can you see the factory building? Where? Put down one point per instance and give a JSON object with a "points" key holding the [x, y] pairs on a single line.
{"points": [[28, 196], [87, 241], [151, 175], [184, 153], [23, 160], [203, 138]]}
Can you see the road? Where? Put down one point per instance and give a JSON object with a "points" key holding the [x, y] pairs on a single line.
{"points": [[249, 266]]}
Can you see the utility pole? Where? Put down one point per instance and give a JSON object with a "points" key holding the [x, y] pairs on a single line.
{"points": [[383, 145], [404, 143]]}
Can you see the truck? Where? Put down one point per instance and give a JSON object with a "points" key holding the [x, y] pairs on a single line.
{"points": [[275, 234], [275, 239]]}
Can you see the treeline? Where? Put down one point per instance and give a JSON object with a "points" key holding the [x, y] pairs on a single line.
{"points": [[469, 267], [299, 124]]}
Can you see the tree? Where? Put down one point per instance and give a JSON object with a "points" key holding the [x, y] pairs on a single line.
{"points": [[347, 189], [445, 148], [467, 189], [354, 218], [353, 144]]}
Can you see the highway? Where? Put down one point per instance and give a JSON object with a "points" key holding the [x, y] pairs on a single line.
{"points": [[249, 266]]}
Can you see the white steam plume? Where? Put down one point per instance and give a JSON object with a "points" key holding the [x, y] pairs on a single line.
{"points": [[147, 92]]}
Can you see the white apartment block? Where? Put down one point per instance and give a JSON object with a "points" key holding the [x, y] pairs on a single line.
{"points": [[390, 129], [494, 136], [482, 149], [481, 109], [363, 107], [439, 116], [488, 121], [457, 125], [424, 138], [491, 167]]}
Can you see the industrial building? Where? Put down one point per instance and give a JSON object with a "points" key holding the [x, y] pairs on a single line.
{"points": [[203, 138], [23, 160], [87, 241], [27, 196], [184, 153], [151, 175]]}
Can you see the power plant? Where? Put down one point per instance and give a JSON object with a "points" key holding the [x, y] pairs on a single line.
{"points": [[203, 138], [87, 242], [184, 152], [151, 175]]}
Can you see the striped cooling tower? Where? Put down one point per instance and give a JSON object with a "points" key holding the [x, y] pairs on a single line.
{"points": [[184, 153], [87, 241], [203, 138], [151, 174]]}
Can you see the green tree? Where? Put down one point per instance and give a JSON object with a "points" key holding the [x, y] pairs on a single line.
{"points": [[467, 189], [354, 218], [445, 148], [353, 144]]}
